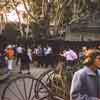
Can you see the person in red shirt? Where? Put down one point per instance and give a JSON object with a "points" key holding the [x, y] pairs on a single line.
{"points": [[10, 55]]}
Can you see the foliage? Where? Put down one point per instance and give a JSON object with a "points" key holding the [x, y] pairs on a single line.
{"points": [[58, 12]]}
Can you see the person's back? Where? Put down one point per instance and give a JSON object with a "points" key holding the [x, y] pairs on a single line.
{"points": [[25, 62], [24, 58], [19, 49], [72, 54]]}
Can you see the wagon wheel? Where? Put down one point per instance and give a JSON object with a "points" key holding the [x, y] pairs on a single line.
{"points": [[50, 79], [44, 78], [58, 85], [22, 88]]}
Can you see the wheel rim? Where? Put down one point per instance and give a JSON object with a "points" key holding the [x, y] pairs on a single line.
{"points": [[22, 88]]}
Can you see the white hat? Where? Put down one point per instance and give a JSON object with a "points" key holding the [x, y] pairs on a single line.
{"points": [[9, 46]]}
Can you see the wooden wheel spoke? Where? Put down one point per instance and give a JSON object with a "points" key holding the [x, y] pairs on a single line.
{"points": [[25, 89], [19, 90], [30, 90], [14, 94]]}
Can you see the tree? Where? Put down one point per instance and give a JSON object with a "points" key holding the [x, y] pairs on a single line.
{"points": [[45, 12]]}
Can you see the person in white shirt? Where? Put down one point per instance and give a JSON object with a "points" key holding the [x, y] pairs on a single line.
{"points": [[29, 53], [19, 51], [48, 55]]}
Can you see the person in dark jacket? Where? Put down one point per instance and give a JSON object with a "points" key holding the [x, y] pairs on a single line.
{"points": [[86, 81], [25, 62]]}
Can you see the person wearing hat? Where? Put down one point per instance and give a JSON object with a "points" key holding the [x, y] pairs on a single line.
{"points": [[86, 81], [10, 55]]}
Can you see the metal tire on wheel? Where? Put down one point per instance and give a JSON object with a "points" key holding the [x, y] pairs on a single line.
{"points": [[22, 88]]}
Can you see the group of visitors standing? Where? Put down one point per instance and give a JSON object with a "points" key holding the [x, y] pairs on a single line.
{"points": [[86, 81], [24, 56], [43, 55], [19, 55]]}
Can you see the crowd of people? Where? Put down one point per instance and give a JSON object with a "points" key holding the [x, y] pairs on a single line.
{"points": [[86, 81], [42, 55], [25, 55]]}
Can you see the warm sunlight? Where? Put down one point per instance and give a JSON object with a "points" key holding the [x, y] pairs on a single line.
{"points": [[13, 16]]}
